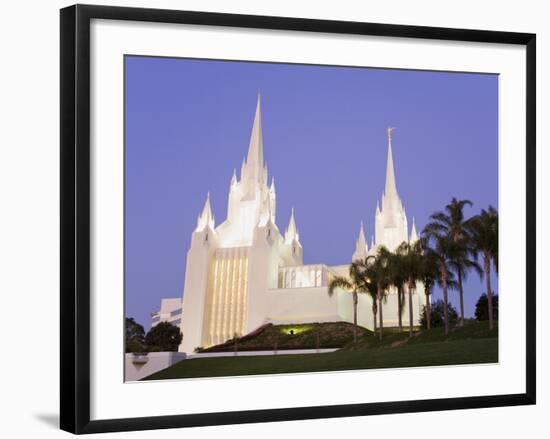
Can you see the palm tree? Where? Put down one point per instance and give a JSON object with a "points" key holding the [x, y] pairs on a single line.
{"points": [[451, 222], [354, 284], [444, 249], [375, 269], [397, 279], [429, 274], [484, 236], [410, 255], [371, 290], [461, 263]]}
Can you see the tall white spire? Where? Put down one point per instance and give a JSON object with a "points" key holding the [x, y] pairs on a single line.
{"points": [[361, 248], [205, 218], [390, 189], [390, 218], [255, 156]]}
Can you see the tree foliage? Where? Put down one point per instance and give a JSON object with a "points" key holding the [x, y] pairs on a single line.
{"points": [[452, 224], [135, 336], [482, 308], [163, 337], [356, 283], [437, 315], [484, 236]]}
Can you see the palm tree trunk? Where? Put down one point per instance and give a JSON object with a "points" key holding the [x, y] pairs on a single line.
{"points": [[381, 329], [487, 269], [461, 293], [374, 318], [445, 299], [399, 307], [355, 317], [428, 311], [410, 308]]}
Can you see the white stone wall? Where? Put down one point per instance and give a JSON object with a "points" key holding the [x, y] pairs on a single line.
{"points": [[313, 304], [301, 305], [137, 367]]}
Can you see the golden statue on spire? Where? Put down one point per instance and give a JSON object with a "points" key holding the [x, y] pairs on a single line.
{"points": [[390, 129]]}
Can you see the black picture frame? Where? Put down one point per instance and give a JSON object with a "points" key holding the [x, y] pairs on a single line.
{"points": [[75, 217]]}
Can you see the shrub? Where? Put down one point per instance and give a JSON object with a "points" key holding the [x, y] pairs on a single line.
{"points": [[482, 307], [438, 316]]}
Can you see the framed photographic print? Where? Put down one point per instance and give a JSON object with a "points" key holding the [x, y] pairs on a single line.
{"points": [[276, 211]]}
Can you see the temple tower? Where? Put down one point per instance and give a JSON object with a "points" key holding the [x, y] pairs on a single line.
{"points": [[390, 219], [231, 267]]}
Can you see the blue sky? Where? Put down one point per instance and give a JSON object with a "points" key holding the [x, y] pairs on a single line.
{"points": [[188, 124]]}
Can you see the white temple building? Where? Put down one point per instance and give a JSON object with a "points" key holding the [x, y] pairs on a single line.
{"points": [[246, 272]]}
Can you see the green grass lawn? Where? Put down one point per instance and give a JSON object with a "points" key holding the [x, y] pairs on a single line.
{"points": [[469, 345]]}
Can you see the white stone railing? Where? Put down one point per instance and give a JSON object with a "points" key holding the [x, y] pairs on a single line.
{"points": [[303, 276]]}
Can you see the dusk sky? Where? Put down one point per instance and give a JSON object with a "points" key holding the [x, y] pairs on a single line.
{"points": [[188, 124]]}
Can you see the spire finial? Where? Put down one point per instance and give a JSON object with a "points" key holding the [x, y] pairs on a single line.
{"points": [[390, 130]]}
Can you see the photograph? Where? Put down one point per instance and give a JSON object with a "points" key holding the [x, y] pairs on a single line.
{"points": [[296, 218]]}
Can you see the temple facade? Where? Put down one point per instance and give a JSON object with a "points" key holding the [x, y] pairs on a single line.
{"points": [[246, 272]]}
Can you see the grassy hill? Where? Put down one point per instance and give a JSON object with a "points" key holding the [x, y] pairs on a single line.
{"points": [[472, 330], [473, 344], [306, 336]]}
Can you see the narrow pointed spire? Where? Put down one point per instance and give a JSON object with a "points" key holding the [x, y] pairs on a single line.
{"points": [[291, 233], [414, 235], [234, 178], [205, 218], [272, 187], [255, 157], [361, 240], [390, 189], [207, 209], [372, 242], [361, 248]]}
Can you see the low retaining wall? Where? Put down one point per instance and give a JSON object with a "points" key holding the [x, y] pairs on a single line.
{"points": [[259, 353]]}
